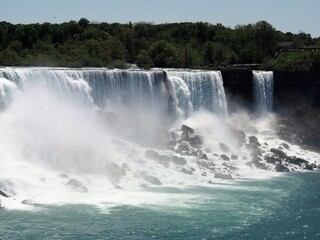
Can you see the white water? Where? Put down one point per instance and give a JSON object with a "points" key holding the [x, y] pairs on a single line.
{"points": [[263, 91], [200, 90], [62, 124]]}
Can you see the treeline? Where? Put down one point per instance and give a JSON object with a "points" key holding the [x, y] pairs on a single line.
{"points": [[185, 45]]}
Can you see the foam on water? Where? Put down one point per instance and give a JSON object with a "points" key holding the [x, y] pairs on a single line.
{"points": [[94, 128]]}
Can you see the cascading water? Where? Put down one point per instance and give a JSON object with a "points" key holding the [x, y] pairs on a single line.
{"points": [[200, 90], [263, 91], [65, 132]]}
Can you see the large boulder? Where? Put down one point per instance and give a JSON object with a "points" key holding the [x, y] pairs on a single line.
{"points": [[281, 168], [185, 128], [151, 179], [151, 154], [224, 147], [253, 141], [223, 176], [115, 172], [77, 185], [308, 167], [297, 161], [179, 160], [224, 157], [3, 194]]}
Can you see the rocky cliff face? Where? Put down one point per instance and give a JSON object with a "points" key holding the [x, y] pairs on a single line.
{"points": [[296, 102]]}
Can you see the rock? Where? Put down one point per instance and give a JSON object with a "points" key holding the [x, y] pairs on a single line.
{"points": [[77, 185], [313, 165], [153, 155], [297, 161], [114, 171], [179, 160], [253, 140], [185, 128], [26, 202], [240, 136], [186, 171], [234, 157], [184, 146], [280, 168], [261, 165], [284, 145], [204, 156], [279, 153], [196, 140], [3, 194], [230, 167], [272, 159], [151, 179], [224, 147], [206, 164], [223, 176], [224, 157], [308, 167], [64, 175]]}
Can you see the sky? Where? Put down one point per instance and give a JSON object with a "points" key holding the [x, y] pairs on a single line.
{"points": [[285, 15]]}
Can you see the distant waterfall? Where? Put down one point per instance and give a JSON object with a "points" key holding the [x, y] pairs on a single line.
{"points": [[263, 91], [199, 89]]}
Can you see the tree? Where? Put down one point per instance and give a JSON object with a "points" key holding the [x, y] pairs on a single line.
{"points": [[164, 54]]}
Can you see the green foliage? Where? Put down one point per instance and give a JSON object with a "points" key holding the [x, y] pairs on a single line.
{"points": [[189, 45], [296, 62]]}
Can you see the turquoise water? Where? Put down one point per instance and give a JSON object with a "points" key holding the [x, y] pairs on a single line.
{"points": [[284, 207]]}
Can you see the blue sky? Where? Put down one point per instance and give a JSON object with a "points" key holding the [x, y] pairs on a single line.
{"points": [[285, 15]]}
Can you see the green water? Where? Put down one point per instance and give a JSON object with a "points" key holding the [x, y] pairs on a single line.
{"points": [[285, 207]]}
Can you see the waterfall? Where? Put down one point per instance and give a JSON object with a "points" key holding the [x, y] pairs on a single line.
{"points": [[164, 91], [200, 90], [101, 87], [263, 91]]}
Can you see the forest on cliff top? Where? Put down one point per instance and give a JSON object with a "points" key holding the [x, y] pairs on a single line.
{"points": [[180, 45]]}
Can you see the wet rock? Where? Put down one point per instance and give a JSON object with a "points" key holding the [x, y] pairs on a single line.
{"points": [[234, 157], [206, 164], [284, 145], [281, 168], [223, 176], [114, 171], [26, 202], [261, 165], [240, 137], [279, 153], [204, 156], [272, 159], [184, 147], [179, 160], [151, 154], [151, 179], [185, 128], [186, 171], [230, 167], [224, 147], [3, 194], [77, 185], [253, 140], [63, 175], [308, 167], [297, 161], [313, 165], [196, 140], [224, 157]]}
